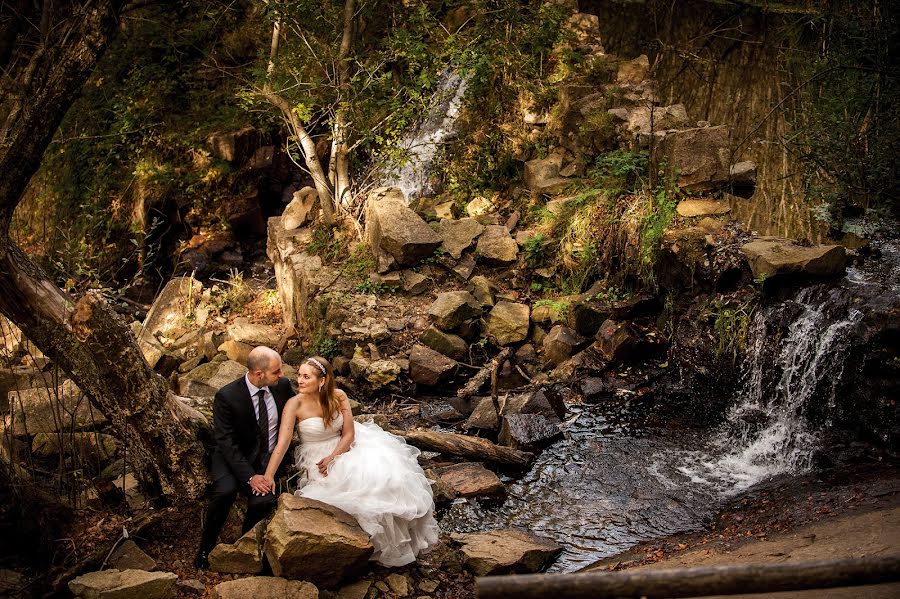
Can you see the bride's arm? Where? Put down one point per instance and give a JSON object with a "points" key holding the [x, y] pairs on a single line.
{"points": [[285, 434], [347, 433]]}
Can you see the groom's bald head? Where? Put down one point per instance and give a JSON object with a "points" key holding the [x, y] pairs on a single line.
{"points": [[264, 365]]}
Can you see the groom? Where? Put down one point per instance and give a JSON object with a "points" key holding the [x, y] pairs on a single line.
{"points": [[246, 417]]}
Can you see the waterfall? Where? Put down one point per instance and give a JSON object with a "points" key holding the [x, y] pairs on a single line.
{"points": [[789, 389], [421, 144]]}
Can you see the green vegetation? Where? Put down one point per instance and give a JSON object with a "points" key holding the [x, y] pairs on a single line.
{"points": [[323, 345], [732, 326], [236, 294]]}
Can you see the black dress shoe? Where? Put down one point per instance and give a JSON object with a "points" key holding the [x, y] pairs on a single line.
{"points": [[201, 562]]}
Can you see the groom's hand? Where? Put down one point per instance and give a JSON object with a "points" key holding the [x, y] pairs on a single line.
{"points": [[260, 485]]}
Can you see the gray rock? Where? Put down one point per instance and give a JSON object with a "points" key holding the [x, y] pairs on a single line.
{"points": [[529, 432], [542, 173], [116, 584], [413, 283], [268, 587], [244, 556], [464, 267], [428, 367], [484, 416], [452, 346], [244, 331], [506, 551], [496, 247], [471, 479], [236, 351], [458, 235], [452, 308], [128, 556], [632, 72], [299, 211], [508, 322], [192, 585], [482, 289], [700, 157], [172, 311], [51, 410], [560, 344], [207, 379], [314, 541], [771, 256], [393, 228], [617, 340]]}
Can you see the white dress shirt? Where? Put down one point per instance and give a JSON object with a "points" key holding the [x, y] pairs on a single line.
{"points": [[270, 406]]}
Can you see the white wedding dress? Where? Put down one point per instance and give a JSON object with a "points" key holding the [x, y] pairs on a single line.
{"points": [[378, 481]]}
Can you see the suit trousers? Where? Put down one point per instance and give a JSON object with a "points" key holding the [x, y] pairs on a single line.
{"points": [[225, 490]]}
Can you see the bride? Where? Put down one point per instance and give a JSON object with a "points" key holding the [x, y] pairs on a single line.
{"points": [[357, 467]]}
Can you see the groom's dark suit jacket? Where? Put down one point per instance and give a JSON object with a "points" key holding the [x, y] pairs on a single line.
{"points": [[235, 428]]}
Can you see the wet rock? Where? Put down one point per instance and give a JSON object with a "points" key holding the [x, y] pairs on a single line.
{"points": [[632, 72], [244, 331], [441, 490], [484, 416], [496, 247], [508, 322], [529, 432], [244, 556], [458, 235], [51, 410], [413, 283], [592, 387], [452, 308], [128, 556], [771, 256], [269, 587], [617, 341], [700, 157], [92, 447], [299, 212], [471, 479], [124, 583], [699, 207], [428, 367], [589, 360], [207, 379], [392, 227], [452, 346], [535, 402], [559, 344], [314, 541], [482, 289], [506, 551]]}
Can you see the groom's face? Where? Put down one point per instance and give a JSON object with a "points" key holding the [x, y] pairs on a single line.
{"points": [[271, 374]]}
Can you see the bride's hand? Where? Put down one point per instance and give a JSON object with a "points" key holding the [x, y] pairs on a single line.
{"points": [[323, 464], [270, 481]]}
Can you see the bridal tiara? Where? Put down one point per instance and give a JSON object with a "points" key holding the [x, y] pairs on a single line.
{"points": [[319, 364]]}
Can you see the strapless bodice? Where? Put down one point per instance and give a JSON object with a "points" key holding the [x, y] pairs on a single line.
{"points": [[312, 430]]}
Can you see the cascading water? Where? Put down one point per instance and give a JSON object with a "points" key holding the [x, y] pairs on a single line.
{"points": [[769, 431], [422, 144]]}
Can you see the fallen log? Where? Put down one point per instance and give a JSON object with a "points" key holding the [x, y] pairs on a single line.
{"points": [[694, 582], [475, 383], [465, 446]]}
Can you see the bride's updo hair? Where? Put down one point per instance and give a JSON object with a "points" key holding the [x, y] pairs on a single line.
{"points": [[330, 404]]}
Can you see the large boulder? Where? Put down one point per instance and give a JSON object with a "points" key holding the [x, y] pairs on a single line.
{"points": [[428, 367], [314, 541], [251, 333], [506, 551], [700, 157], [770, 256], [451, 308], [244, 556], [471, 479], [508, 322], [269, 587], [51, 410], [174, 312], [496, 247], [458, 235], [393, 228], [452, 346], [207, 379], [116, 584]]}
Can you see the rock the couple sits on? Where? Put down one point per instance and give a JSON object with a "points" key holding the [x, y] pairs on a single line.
{"points": [[356, 467]]}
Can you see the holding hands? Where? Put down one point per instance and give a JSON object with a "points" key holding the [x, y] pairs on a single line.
{"points": [[262, 485]]}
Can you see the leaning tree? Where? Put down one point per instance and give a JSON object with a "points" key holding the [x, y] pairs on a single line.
{"points": [[45, 68]]}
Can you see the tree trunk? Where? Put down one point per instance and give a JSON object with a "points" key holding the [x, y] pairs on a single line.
{"points": [[474, 448], [87, 339]]}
